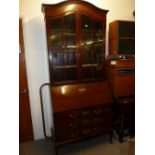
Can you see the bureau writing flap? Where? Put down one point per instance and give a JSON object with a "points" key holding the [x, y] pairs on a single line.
{"points": [[79, 95]]}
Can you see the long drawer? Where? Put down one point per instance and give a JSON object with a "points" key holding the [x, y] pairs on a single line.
{"points": [[83, 122]]}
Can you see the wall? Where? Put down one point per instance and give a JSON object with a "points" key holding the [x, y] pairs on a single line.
{"points": [[36, 50]]}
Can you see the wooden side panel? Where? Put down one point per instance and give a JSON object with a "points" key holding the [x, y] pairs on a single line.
{"points": [[113, 30]]}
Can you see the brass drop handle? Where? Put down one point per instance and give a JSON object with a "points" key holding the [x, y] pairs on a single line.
{"points": [[73, 125], [82, 90], [86, 131], [97, 111], [73, 115], [85, 113], [85, 121], [75, 134]]}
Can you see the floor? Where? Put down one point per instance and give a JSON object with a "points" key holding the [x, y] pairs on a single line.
{"points": [[96, 146]]}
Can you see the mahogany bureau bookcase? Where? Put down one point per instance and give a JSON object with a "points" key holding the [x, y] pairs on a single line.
{"points": [[81, 98]]}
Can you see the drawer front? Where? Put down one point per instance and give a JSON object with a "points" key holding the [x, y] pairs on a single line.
{"points": [[82, 123], [82, 116], [63, 134]]}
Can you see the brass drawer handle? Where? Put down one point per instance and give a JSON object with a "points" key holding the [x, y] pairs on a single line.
{"points": [[73, 115], [96, 120], [85, 113], [73, 125], [82, 90], [85, 121], [97, 111], [74, 134], [86, 131]]}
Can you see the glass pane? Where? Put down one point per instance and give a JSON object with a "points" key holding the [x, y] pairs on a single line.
{"points": [[70, 22], [98, 43], [59, 74], [70, 46], [56, 34], [97, 54], [98, 32], [63, 47], [126, 29], [126, 46], [71, 74], [58, 58], [87, 73], [87, 39], [87, 30], [86, 57], [71, 59], [98, 72], [56, 24], [70, 30], [86, 24], [92, 48]]}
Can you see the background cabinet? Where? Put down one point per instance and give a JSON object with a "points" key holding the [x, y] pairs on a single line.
{"points": [[81, 98], [121, 74], [122, 38]]}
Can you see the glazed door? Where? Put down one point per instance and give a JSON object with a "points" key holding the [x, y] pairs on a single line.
{"points": [[62, 55], [92, 49], [76, 45], [25, 122]]}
